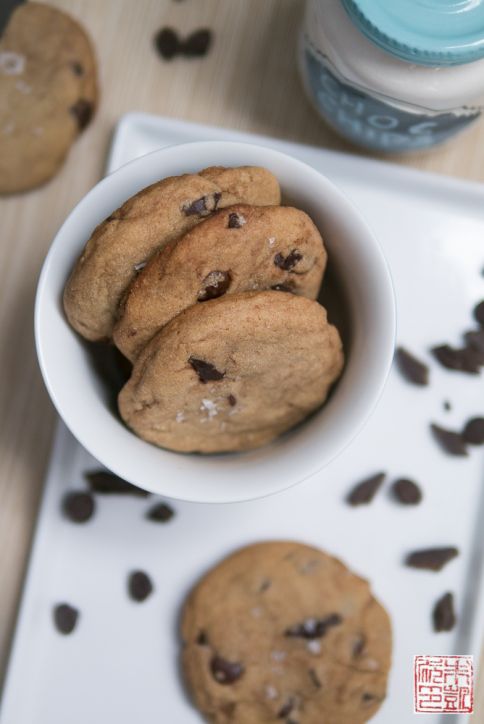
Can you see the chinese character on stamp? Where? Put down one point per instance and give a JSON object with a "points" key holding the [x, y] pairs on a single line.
{"points": [[443, 684]]}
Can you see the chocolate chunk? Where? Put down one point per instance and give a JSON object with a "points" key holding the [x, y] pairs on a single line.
{"points": [[473, 432], [82, 111], [65, 618], [77, 68], [314, 678], [167, 43], [225, 672], [406, 492], [450, 441], [475, 339], [206, 372], [232, 400], [464, 359], [358, 646], [431, 559], [203, 206], [78, 506], [286, 709], [289, 262], [139, 586], [364, 492], [214, 285], [198, 43], [479, 313], [443, 613], [202, 639], [411, 368], [104, 482], [282, 287], [160, 513], [235, 221], [314, 628]]}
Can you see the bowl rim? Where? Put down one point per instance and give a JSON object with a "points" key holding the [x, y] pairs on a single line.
{"points": [[96, 450]]}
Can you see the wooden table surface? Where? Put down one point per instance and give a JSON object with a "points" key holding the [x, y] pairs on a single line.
{"points": [[248, 81]]}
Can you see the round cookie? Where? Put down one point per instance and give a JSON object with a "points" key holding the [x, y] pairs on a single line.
{"points": [[233, 373], [282, 632], [238, 249], [48, 88], [122, 244]]}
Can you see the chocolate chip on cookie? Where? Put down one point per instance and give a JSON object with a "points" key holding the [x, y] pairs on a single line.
{"points": [[287, 263], [206, 371], [214, 285]]}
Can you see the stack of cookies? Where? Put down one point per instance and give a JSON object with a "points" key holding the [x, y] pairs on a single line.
{"points": [[208, 286]]}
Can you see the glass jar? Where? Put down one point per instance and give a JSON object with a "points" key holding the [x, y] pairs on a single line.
{"points": [[394, 75]]}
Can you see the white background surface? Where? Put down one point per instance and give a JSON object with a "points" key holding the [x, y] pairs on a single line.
{"points": [[121, 662]]}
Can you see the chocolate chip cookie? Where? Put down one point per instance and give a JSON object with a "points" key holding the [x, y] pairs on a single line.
{"points": [[122, 244], [238, 249], [49, 93], [282, 632], [232, 373]]}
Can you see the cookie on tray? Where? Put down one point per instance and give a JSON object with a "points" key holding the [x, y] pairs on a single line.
{"points": [[122, 244], [283, 632], [49, 93], [238, 249], [233, 373]]}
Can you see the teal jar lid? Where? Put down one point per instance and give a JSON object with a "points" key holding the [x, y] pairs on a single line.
{"points": [[427, 32]]}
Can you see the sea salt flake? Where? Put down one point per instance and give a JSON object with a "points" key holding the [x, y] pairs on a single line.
{"points": [[314, 647], [271, 692], [271, 240], [210, 407], [278, 655], [141, 265], [179, 417], [23, 87], [11, 63]]}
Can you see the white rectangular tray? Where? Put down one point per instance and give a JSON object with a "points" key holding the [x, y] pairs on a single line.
{"points": [[120, 665]]}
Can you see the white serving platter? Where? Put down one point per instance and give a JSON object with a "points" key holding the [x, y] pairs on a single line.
{"points": [[120, 664]]}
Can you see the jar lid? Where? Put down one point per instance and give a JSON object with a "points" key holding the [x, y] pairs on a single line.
{"points": [[427, 32]]}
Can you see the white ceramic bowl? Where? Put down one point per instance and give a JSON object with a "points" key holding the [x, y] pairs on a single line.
{"points": [[365, 287]]}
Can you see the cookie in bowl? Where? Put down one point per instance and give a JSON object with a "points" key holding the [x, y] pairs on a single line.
{"points": [[122, 244], [241, 248], [232, 374]]}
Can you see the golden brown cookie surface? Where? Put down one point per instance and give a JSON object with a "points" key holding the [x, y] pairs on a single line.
{"points": [[283, 632], [122, 244], [48, 93], [238, 249], [233, 373]]}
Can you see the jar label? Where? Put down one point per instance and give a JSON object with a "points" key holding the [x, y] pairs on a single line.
{"points": [[376, 124]]}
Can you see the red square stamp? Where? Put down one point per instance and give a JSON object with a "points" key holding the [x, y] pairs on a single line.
{"points": [[443, 684]]}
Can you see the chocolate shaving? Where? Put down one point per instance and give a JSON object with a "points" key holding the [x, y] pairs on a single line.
{"points": [[79, 507], [431, 559], [407, 492], [451, 442], [364, 492], [465, 359], [103, 482], [65, 618], [411, 368], [160, 513], [139, 586], [473, 432], [443, 614]]}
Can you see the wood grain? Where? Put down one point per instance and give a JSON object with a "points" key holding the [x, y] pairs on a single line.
{"points": [[248, 82]]}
